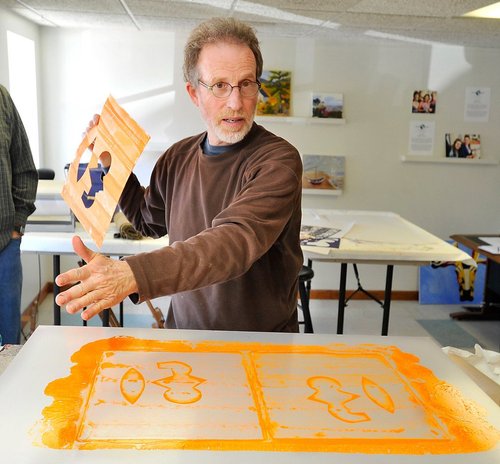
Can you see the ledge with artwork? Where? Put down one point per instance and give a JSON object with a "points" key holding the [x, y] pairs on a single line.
{"points": [[310, 191], [444, 160], [300, 120]]}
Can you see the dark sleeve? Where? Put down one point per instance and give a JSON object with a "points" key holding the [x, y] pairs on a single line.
{"points": [[149, 217], [24, 173]]}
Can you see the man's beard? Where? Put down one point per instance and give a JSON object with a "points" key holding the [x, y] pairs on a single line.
{"points": [[231, 137]]}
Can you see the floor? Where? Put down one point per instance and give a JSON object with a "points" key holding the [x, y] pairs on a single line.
{"points": [[362, 317]]}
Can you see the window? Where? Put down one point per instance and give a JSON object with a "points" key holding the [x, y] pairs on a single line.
{"points": [[22, 85]]}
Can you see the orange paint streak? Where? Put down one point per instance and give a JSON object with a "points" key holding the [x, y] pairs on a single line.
{"points": [[409, 410], [329, 392], [132, 385], [181, 386], [378, 395]]}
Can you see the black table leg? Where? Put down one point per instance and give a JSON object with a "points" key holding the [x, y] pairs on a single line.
{"points": [[343, 280], [105, 318], [387, 299], [386, 305], [56, 265], [121, 313]]}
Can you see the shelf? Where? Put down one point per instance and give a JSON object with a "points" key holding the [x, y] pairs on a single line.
{"points": [[336, 193], [442, 160], [300, 120]]}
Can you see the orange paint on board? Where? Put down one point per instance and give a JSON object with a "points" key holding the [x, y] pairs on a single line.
{"points": [[125, 393], [116, 135]]}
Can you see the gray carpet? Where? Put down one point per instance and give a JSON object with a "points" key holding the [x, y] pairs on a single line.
{"points": [[448, 333]]}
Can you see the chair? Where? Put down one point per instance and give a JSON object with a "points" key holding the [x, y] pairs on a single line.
{"points": [[46, 174], [305, 276]]}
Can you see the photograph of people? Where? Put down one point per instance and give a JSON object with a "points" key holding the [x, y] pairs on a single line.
{"points": [[468, 146], [424, 101], [453, 149], [466, 149]]}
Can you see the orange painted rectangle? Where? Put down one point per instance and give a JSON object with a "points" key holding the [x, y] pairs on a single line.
{"points": [[125, 392]]}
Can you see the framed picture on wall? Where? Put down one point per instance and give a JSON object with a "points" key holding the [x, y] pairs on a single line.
{"points": [[424, 101], [275, 93], [327, 105], [323, 173], [462, 146]]}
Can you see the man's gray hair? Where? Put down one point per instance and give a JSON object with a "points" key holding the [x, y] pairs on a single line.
{"points": [[216, 30]]}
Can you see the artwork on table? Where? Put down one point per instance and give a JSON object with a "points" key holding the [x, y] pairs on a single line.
{"points": [[453, 283], [323, 172], [130, 393], [93, 194], [275, 93], [325, 237], [465, 145], [327, 105], [424, 101]]}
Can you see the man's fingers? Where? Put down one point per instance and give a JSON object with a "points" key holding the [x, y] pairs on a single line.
{"points": [[76, 275], [91, 311], [78, 299]]}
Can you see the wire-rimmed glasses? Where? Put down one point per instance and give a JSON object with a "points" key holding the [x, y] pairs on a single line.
{"points": [[247, 88]]}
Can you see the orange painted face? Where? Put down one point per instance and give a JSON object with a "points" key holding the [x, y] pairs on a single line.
{"points": [[145, 394]]}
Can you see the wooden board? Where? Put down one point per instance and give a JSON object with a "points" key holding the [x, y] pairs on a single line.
{"points": [[120, 136]]}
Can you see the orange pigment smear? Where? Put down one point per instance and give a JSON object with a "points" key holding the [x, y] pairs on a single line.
{"points": [[128, 393]]}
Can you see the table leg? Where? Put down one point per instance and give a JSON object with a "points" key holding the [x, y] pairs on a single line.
{"points": [[121, 313], [343, 280], [121, 309], [105, 318], [56, 269], [387, 299]]}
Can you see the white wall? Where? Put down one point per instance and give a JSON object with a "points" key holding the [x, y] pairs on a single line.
{"points": [[377, 82], [14, 23], [143, 71], [79, 68]]}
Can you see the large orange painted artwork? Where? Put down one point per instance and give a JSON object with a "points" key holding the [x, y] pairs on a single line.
{"points": [[130, 393], [92, 195]]}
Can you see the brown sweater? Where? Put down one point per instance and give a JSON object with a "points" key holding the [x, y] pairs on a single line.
{"points": [[233, 222]]}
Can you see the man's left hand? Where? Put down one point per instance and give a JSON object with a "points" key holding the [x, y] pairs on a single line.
{"points": [[100, 284]]}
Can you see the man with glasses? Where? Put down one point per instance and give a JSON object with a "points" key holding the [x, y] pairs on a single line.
{"points": [[229, 199]]}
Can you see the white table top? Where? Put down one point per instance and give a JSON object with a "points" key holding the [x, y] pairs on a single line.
{"points": [[60, 243], [380, 237], [47, 357], [375, 237]]}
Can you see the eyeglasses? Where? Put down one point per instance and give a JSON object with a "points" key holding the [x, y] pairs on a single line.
{"points": [[247, 88]]}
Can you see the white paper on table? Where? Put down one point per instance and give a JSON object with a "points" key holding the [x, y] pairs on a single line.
{"points": [[486, 361], [493, 249], [495, 241], [320, 222]]}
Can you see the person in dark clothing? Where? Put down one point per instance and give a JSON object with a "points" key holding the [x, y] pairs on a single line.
{"points": [[18, 184], [228, 198]]}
